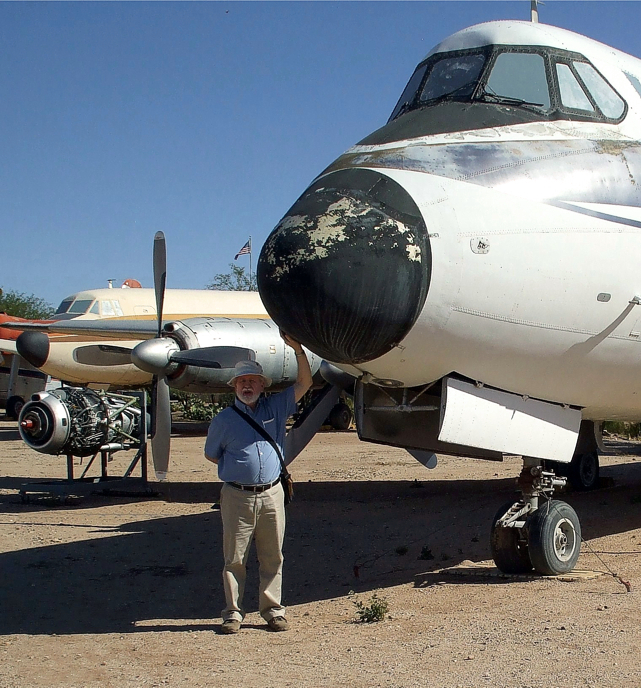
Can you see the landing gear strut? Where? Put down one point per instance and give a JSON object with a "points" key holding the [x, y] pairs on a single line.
{"points": [[536, 532]]}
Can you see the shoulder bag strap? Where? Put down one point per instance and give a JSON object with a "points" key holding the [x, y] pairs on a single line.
{"points": [[262, 432]]}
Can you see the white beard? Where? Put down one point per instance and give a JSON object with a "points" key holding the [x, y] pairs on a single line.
{"points": [[248, 397]]}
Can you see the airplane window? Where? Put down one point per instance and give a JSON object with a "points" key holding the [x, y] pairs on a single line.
{"points": [[95, 309], [64, 306], [635, 82], [572, 94], [453, 76], [520, 76], [410, 91], [117, 308], [80, 306], [604, 95], [107, 309]]}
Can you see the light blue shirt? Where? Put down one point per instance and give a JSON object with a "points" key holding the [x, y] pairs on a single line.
{"points": [[243, 455]]}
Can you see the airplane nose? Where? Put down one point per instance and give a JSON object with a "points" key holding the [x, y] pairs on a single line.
{"points": [[347, 270], [33, 347]]}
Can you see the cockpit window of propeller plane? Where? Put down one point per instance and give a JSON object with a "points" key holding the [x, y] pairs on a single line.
{"points": [[547, 83], [78, 307], [106, 308]]}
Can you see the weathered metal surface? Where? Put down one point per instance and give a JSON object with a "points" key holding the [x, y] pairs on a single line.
{"points": [[348, 267]]}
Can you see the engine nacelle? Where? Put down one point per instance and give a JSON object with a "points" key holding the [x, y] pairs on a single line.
{"points": [[276, 358], [81, 422]]}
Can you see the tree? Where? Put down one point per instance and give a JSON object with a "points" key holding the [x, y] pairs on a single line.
{"points": [[235, 280], [25, 305]]}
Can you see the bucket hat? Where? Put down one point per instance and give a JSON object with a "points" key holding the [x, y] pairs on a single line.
{"points": [[249, 368]]}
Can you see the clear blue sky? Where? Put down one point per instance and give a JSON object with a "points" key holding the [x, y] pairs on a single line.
{"points": [[203, 120]]}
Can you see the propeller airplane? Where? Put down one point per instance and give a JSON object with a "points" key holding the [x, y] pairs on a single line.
{"points": [[473, 263], [471, 268]]}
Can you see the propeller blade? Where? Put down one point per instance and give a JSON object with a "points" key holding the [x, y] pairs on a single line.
{"points": [[160, 275], [310, 421], [162, 427], [427, 458], [213, 356], [102, 355]]}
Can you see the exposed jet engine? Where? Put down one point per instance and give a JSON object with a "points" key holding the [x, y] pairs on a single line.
{"points": [[82, 422]]}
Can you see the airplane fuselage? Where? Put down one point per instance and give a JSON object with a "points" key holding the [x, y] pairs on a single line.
{"points": [[64, 356], [493, 236]]}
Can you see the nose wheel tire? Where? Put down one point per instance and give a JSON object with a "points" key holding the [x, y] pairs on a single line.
{"points": [[340, 417], [554, 535], [509, 548]]}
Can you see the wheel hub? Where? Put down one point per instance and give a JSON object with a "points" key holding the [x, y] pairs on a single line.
{"points": [[564, 540]]}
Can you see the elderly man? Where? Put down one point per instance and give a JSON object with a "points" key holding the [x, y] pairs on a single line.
{"points": [[252, 498]]}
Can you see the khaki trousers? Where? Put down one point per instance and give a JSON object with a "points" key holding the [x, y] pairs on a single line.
{"points": [[262, 516]]}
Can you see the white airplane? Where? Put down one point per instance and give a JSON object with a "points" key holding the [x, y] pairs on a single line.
{"points": [[474, 264]]}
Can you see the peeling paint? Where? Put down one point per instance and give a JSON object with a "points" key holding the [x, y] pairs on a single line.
{"points": [[536, 169], [349, 267], [340, 222]]}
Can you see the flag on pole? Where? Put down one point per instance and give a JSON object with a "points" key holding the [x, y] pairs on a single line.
{"points": [[247, 248]]}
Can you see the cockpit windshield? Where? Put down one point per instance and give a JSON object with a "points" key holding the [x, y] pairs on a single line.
{"points": [[80, 306], [550, 83], [64, 306], [453, 76]]}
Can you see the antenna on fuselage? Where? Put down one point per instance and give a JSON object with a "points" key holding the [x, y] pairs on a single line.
{"points": [[534, 10]]}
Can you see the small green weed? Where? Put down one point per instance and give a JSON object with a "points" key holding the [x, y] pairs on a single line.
{"points": [[426, 554], [375, 610]]}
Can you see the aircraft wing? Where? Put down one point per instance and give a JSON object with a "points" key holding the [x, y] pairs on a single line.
{"points": [[123, 329], [8, 346]]}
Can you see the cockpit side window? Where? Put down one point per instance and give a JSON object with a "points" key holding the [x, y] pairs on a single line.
{"points": [[453, 76], [520, 76], [107, 309], [64, 306], [572, 95], [634, 81], [583, 88], [607, 99], [410, 91]]}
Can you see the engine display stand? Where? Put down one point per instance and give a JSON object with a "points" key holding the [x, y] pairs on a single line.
{"points": [[125, 485]]}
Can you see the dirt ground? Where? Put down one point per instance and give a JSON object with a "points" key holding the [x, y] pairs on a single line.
{"points": [[126, 591]]}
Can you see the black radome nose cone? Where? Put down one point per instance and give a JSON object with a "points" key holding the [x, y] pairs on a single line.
{"points": [[346, 271], [33, 347]]}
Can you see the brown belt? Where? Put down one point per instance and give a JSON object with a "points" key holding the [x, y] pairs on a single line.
{"points": [[255, 488]]}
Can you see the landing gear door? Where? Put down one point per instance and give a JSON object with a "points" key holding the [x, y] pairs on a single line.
{"points": [[487, 418]]}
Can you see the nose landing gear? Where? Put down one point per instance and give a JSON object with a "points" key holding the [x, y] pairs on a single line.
{"points": [[536, 532]]}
